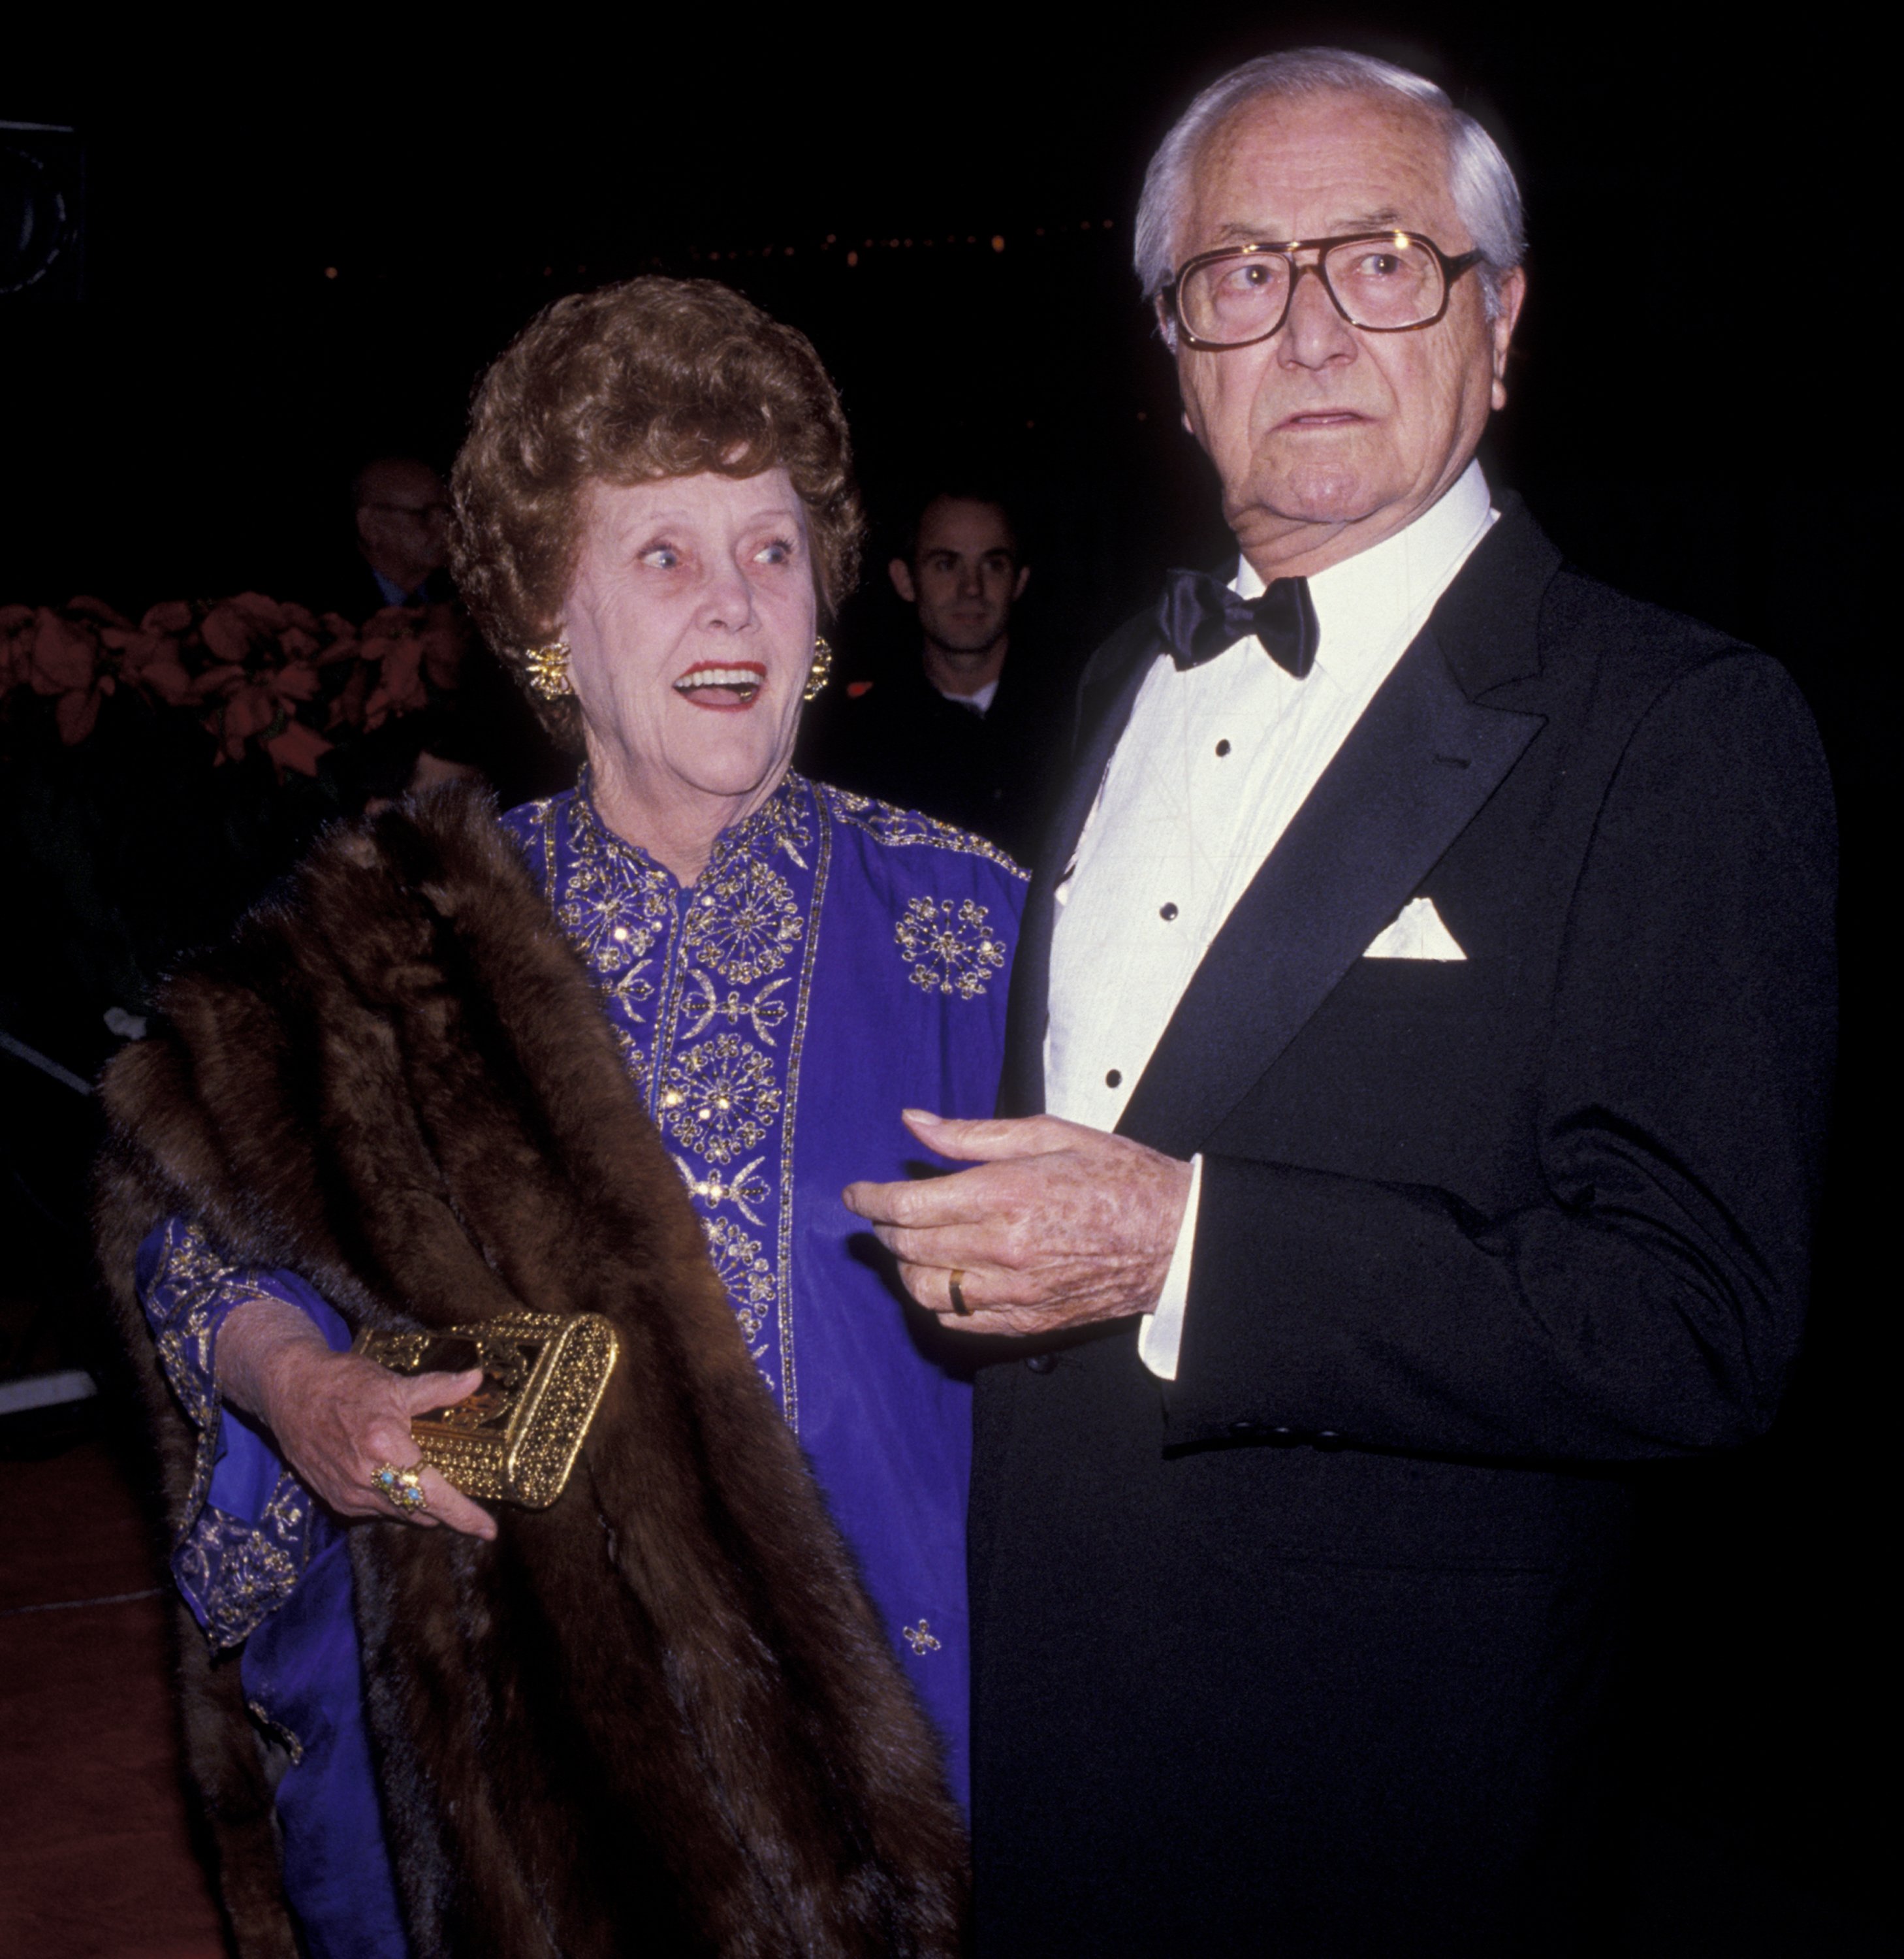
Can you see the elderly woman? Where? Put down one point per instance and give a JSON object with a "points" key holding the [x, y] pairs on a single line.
{"points": [[424, 1089]]}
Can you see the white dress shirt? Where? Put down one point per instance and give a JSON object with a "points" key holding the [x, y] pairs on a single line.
{"points": [[1215, 763], [980, 702]]}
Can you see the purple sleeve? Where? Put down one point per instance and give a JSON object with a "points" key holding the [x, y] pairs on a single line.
{"points": [[252, 1527]]}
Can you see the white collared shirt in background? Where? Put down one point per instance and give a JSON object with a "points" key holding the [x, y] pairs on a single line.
{"points": [[1213, 766], [980, 702]]}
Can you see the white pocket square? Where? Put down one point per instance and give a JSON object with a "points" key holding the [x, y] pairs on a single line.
{"points": [[1416, 933]]}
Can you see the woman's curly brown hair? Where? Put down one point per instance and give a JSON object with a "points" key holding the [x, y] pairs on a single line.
{"points": [[649, 379]]}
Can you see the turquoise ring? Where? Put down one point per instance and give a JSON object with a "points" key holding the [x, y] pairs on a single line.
{"points": [[403, 1487]]}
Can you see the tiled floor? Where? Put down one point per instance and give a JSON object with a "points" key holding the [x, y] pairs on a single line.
{"points": [[94, 1858]]}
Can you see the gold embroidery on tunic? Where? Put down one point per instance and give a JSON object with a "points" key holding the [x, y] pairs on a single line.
{"points": [[746, 1273], [950, 948], [277, 1731], [887, 824], [720, 1097], [744, 922], [239, 1572], [762, 1013], [745, 1189], [796, 1046], [708, 1021]]}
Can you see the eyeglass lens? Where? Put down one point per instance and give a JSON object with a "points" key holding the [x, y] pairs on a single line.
{"points": [[1382, 283]]}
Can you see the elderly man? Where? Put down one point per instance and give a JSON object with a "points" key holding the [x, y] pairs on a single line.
{"points": [[1427, 992]]}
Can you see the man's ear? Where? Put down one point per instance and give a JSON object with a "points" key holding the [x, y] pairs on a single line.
{"points": [[1166, 325], [1018, 589], [900, 573], [1513, 294]]}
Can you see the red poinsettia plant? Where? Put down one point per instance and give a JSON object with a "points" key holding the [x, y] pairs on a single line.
{"points": [[261, 675]]}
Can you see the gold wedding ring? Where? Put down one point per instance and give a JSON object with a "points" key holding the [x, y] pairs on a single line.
{"points": [[956, 1287]]}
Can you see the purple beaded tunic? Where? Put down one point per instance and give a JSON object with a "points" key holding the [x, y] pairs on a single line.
{"points": [[837, 960]]}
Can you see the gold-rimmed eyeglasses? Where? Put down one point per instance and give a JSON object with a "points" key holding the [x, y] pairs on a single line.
{"points": [[1381, 282]]}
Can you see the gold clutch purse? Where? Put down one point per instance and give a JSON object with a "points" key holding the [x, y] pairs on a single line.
{"points": [[516, 1438]]}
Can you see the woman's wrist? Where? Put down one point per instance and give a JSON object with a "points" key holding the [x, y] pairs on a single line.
{"points": [[261, 1344]]}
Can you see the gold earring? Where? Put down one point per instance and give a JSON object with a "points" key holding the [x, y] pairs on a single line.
{"points": [[549, 670], [820, 672]]}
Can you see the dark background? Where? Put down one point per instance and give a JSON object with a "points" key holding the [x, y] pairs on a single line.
{"points": [[299, 257]]}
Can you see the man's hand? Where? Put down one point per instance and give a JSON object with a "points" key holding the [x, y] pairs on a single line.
{"points": [[338, 1417], [1060, 1225]]}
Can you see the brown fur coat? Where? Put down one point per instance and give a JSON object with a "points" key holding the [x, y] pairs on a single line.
{"points": [[660, 1717]]}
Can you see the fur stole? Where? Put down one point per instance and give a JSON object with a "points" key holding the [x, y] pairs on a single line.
{"points": [[660, 1717]]}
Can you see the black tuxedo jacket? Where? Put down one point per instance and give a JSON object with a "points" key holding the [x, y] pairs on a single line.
{"points": [[1307, 1652]]}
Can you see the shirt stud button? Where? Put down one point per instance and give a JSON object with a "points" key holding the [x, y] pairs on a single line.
{"points": [[1115, 1078], [1166, 913], [1222, 748]]}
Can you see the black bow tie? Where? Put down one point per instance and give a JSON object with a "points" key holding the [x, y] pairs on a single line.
{"points": [[1199, 618]]}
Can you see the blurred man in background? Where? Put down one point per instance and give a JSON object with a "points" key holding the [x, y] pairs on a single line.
{"points": [[479, 727], [959, 727], [401, 509]]}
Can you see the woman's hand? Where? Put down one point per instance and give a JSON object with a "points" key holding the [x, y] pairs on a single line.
{"points": [[338, 1417]]}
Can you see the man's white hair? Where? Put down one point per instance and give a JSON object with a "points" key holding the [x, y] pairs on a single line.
{"points": [[1484, 191]]}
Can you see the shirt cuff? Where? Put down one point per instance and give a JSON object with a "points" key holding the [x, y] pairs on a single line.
{"points": [[1161, 1333], [251, 1526]]}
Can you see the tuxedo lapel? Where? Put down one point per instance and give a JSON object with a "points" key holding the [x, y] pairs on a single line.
{"points": [[1413, 774], [1107, 694]]}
